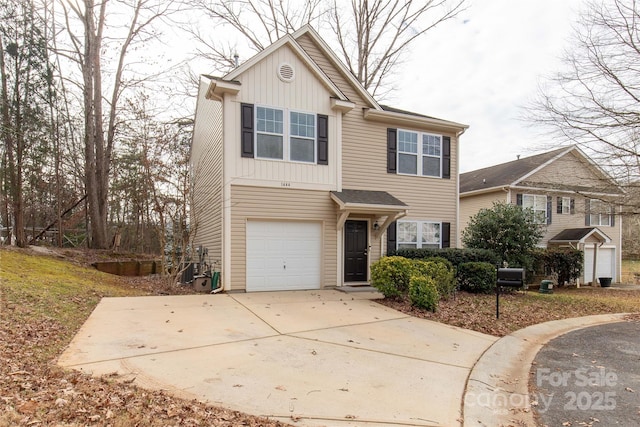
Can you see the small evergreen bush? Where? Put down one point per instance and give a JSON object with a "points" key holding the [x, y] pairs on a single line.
{"points": [[441, 271], [477, 277], [423, 292], [391, 276]]}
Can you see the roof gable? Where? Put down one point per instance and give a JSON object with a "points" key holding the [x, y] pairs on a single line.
{"points": [[541, 171], [288, 40]]}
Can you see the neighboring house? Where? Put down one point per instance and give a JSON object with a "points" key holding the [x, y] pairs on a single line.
{"points": [[301, 179], [572, 198]]}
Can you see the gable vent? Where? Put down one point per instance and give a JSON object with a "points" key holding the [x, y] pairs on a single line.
{"points": [[286, 72]]}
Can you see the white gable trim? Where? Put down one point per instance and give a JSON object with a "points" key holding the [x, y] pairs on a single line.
{"points": [[288, 40], [328, 52], [544, 165]]}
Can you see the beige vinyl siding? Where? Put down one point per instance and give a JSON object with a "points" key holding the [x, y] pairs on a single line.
{"points": [[281, 204], [364, 158], [206, 168], [261, 86], [568, 170], [471, 205]]}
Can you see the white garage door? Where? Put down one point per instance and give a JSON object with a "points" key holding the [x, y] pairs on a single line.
{"points": [[283, 255], [606, 263]]}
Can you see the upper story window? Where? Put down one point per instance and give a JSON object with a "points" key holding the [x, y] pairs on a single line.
{"points": [[273, 142], [600, 213], [303, 137], [418, 234], [269, 133], [419, 154], [565, 205], [538, 204], [283, 134]]}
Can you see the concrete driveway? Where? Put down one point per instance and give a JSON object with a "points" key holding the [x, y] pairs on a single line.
{"points": [[324, 358]]}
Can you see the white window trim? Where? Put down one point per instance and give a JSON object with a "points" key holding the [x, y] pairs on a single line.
{"points": [[566, 205], [419, 155], [534, 205], [286, 135], [419, 224], [600, 215]]}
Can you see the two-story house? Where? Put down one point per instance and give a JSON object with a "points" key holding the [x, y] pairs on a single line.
{"points": [[301, 179], [572, 197]]}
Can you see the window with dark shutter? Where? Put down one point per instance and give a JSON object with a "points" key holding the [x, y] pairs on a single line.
{"points": [[446, 234], [549, 209], [446, 157], [392, 150], [391, 238], [572, 204], [519, 199], [559, 207], [323, 139], [246, 131]]}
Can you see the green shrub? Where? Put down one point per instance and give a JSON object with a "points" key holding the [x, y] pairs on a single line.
{"points": [[391, 275], [567, 263], [441, 271], [456, 256], [423, 292], [477, 277]]}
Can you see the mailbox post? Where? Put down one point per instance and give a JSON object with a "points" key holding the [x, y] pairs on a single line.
{"points": [[510, 278]]}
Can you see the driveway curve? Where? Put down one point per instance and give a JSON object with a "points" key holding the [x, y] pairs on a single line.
{"points": [[318, 358]]}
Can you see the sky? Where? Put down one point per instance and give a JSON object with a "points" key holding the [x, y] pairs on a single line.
{"points": [[482, 69]]}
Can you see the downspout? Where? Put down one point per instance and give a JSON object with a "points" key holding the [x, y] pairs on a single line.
{"points": [[458, 231]]}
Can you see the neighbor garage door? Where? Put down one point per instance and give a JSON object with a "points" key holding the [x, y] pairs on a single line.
{"points": [[606, 263], [283, 255]]}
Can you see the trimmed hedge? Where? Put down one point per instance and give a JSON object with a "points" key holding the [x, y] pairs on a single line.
{"points": [[456, 256], [441, 271], [477, 277], [423, 292]]}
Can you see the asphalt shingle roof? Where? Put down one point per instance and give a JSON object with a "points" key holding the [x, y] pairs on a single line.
{"points": [[504, 173], [367, 197]]}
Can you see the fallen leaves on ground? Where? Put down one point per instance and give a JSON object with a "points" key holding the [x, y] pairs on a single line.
{"points": [[36, 392]]}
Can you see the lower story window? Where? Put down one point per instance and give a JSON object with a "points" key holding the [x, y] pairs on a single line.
{"points": [[419, 234]]}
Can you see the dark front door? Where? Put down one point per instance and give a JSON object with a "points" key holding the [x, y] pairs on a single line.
{"points": [[355, 251]]}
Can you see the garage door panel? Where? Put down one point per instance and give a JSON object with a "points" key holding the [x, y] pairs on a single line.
{"points": [[283, 255], [606, 263]]}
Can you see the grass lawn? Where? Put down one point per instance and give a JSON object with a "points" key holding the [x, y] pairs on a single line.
{"points": [[631, 271]]}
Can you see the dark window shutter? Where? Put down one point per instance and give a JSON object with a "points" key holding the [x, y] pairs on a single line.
{"points": [[246, 131], [446, 157], [446, 234], [559, 208], [549, 209], [519, 199], [587, 212], [392, 150], [572, 208], [613, 216], [391, 237], [323, 139]]}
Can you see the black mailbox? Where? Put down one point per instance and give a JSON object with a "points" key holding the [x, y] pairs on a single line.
{"points": [[511, 277]]}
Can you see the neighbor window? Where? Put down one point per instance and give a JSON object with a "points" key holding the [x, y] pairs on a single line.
{"points": [[419, 154], [600, 213], [418, 234], [271, 136], [566, 205], [538, 204]]}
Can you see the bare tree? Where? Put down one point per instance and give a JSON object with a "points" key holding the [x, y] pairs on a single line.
{"points": [[370, 35], [102, 90], [594, 101]]}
